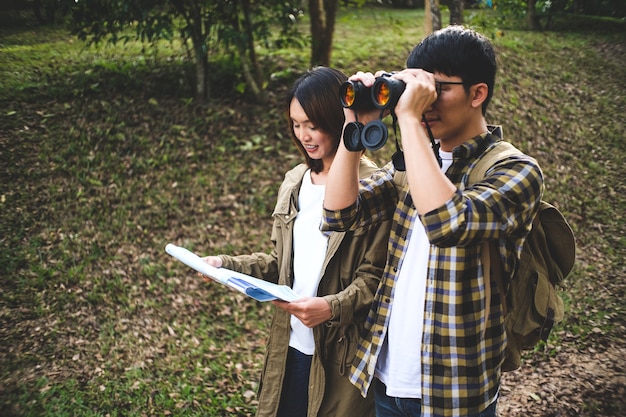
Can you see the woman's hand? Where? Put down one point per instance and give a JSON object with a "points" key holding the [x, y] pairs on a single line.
{"points": [[311, 311], [215, 261]]}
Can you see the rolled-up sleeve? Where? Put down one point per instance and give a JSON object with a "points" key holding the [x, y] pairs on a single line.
{"points": [[375, 202], [502, 204]]}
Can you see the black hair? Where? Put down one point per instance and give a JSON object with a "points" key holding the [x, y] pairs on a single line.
{"points": [[317, 90], [458, 51]]}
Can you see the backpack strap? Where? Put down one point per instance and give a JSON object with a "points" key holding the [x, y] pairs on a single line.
{"points": [[494, 153], [399, 178], [490, 258]]}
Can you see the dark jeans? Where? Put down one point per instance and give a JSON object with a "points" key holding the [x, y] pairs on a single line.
{"points": [[407, 407], [295, 393]]}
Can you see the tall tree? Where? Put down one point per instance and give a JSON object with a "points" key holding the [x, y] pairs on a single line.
{"points": [[432, 18], [322, 14], [456, 12], [531, 15]]}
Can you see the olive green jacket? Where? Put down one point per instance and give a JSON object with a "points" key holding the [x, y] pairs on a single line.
{"points": [[350, 275]]}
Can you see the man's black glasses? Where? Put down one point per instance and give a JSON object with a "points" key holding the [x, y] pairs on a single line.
{"points": [[438, 85]]}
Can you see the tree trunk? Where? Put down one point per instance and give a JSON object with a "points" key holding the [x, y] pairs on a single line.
{"points": [[193, 17], [456, 12], [432, 16], [251, 82], [37, 12], [202, 71], [322, 14], [250, 64], [531, 14]]}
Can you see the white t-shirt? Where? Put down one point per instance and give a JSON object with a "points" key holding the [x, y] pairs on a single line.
{"points": [[399, 364], [309, 252]]}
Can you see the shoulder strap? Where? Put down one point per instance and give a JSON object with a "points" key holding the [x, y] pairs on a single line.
{"points": [[399, 178], [496, 152], [489, 252]]}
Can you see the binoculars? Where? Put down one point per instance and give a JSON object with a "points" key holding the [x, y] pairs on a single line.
{"points": [[383, 94]]}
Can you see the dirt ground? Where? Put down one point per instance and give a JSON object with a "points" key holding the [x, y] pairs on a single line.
{"points": [[571, 383]]}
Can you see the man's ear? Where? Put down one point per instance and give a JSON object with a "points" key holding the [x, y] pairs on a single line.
{"points": [[478, 93]]}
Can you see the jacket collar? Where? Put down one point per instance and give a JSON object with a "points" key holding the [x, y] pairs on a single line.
{"points": [[478, 144]]}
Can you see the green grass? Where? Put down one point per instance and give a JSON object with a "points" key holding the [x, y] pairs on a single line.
{"points": [[104, 159]]}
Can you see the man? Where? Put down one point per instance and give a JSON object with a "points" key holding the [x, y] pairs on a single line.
{"points": [[435, 336]]}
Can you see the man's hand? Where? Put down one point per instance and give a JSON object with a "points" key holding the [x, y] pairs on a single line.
{"points": [[311, 311], [367, 79], [419, 93]]}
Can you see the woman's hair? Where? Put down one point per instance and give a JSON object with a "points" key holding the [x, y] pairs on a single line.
{"points": [[318, 93], [457, 51]]}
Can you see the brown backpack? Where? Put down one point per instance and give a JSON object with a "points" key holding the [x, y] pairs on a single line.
{"points": [[532, 304]]}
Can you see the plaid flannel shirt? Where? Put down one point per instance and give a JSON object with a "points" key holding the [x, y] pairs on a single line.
{"points": [[462, 350]]}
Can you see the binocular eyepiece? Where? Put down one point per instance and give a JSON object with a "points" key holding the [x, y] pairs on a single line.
{"points": [[383, 94]]}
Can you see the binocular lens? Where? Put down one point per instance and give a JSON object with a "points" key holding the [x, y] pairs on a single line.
{"points": [[382, 94], [386, 92], [349, 96]]}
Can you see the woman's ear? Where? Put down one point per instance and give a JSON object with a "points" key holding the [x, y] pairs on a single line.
{"points": [[478, 93]]}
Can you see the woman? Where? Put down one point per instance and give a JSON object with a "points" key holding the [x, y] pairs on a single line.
{"points": [[312, 340]]}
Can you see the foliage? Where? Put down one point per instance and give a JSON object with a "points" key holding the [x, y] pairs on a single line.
{"points": [[104, 159], [211, 25], [518, 9]]}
